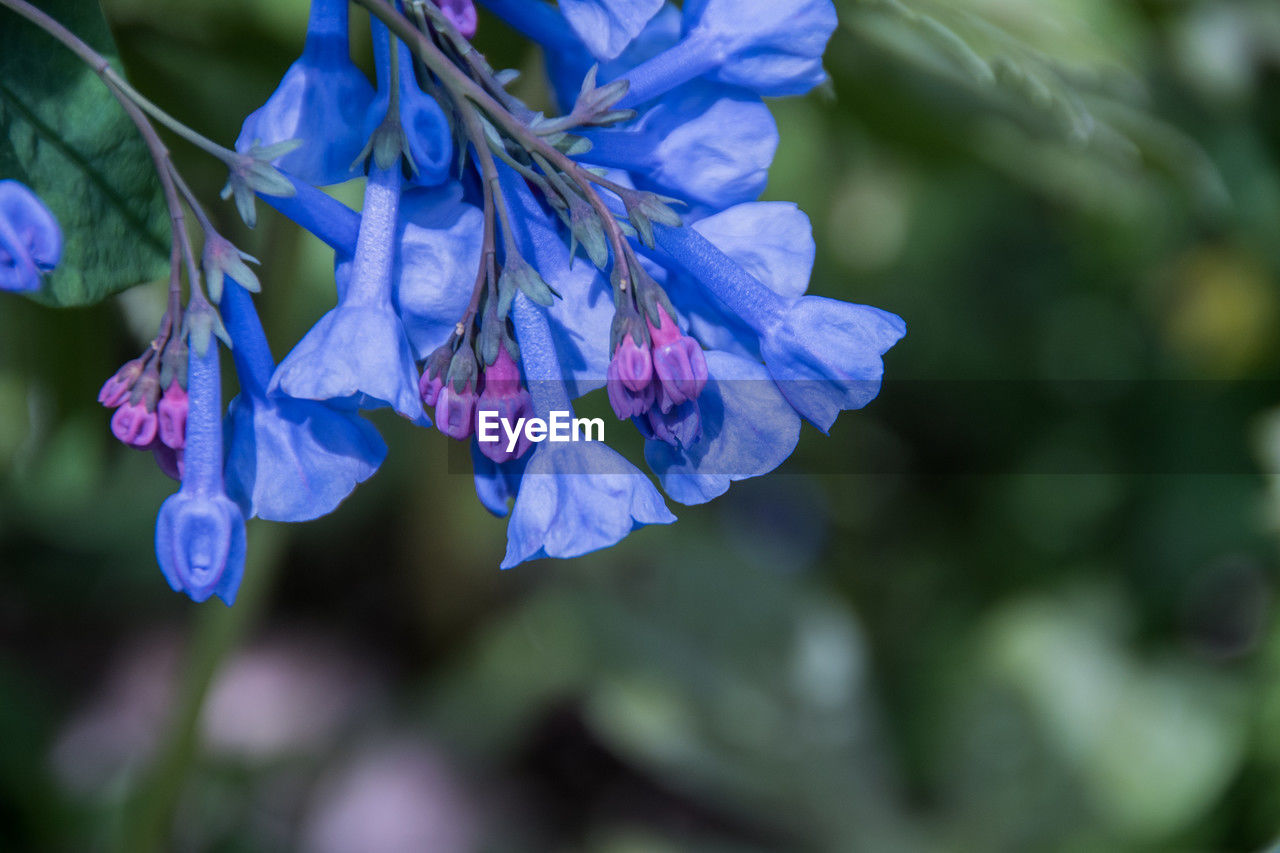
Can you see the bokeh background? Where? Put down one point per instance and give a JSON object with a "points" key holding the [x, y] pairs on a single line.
{"points": [[1024, 601]]}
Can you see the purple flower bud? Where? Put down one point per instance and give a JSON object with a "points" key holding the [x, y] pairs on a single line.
{"points": [[429, 387], [678, 362], [116, 389], [456, 411], [627, 403], [635, 367], [172, 415], [462, 13], [504, 394], [134, 424]]}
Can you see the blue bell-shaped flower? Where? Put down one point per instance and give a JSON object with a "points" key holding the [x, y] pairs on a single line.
{"points": [[200, 538], [322, 100]]}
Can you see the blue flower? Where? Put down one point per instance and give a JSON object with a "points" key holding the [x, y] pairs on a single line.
{"points": [[322, 99], [200, 541], [287, 459], [426, 130], [573, 497], [824, 354], [772, 47], [358, 354], [30, 239]]}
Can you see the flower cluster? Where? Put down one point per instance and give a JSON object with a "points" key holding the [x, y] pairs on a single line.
{"points": [[504, 263]]}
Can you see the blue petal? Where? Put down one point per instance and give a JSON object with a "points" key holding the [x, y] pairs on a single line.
{"points": [[322, 103], [772, 240], [705, 143], [200, 545], [576, 498], [496, 484], [425, 125], [825, 354], [295, 460], [774, 47], [748, 429], [356, 355], [608, 26], [440, 241]]}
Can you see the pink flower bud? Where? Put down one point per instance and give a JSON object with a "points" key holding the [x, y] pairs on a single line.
{"points": [[429, 388], [116, 389], [678, 362], [456, 411], [134, 425], [505, 395], [627, 403], [462, 13], [635, 366], [172, 414]]}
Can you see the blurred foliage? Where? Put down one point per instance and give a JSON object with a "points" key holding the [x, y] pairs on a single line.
{"points": [[62, 131], [1023, 601]]}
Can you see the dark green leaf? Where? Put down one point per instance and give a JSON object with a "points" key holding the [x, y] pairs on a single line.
{"points": [[64, 135]]}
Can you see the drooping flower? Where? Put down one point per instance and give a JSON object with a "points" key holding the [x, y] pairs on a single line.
{"points": [[287, 459], [574, 497], [419, 126], [699, 330], [322, 100], [30, 239], [824, 354], [358, 354], [506, 397], [772, 47], [200, 537]]}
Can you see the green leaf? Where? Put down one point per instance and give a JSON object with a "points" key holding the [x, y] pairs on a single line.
{"points": [[1038, 85], [64, 135]]}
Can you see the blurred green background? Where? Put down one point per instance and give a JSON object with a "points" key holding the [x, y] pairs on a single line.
{"points": [[1024, 601]]}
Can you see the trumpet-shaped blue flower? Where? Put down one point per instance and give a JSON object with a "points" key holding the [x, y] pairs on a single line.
{"points": [[358, 354], [426, 130], [322, 99], [287, 459], [200, 540], [574, 497], [772, 47], [824, 354], [706, 143], [30, 239]]}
